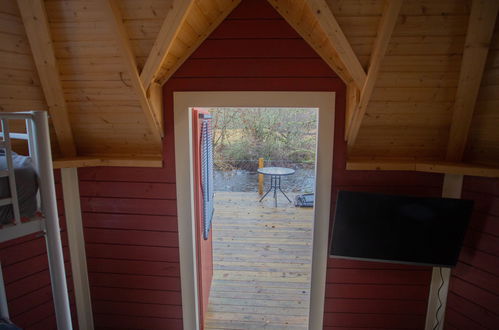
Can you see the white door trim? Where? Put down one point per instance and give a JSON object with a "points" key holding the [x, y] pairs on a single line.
{"points": [[183, 101]]}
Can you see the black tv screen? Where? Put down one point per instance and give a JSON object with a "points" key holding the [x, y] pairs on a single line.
{"points": [[404, 229]]}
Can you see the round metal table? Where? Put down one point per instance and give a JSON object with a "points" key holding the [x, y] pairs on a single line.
{"points": [[275, 179]]}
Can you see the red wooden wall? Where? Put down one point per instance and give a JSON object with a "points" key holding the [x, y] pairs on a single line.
{"points": [[129, 217], [27, 279], [473, 301]]}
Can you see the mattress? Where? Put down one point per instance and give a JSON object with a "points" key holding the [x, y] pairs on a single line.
{"points": [[27, 187], [7, 325]]}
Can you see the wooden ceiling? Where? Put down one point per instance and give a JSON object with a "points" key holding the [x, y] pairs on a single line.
{"points": [[422, 75]]}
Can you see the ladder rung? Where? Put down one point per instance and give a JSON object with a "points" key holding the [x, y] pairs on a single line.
{"points": [[5, 201], [4, 173], [19, 136]]}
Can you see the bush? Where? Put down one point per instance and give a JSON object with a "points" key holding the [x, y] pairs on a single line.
{"points": [[242, 135]]}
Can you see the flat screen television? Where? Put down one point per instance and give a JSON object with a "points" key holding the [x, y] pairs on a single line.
{"points": [[402, 229]]}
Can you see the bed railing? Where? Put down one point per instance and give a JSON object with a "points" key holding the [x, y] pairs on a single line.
{"points": [[37, 135], [17, 229]]}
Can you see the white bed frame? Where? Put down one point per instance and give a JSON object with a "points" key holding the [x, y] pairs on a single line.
{"points": [[37, 135]]}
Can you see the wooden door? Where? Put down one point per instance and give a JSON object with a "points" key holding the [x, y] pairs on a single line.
{"points": [[203, 198]]}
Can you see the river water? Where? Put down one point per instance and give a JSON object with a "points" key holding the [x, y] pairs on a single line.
{"points": [[246, 181]]}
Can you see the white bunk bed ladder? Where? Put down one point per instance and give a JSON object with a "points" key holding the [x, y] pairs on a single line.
{"points": [[37, 135], [7, 146]]}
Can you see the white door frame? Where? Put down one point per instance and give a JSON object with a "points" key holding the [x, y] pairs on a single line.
{"points": [[182, 102]]}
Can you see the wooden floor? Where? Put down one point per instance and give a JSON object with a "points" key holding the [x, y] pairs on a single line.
{"points": [[262, 260]]}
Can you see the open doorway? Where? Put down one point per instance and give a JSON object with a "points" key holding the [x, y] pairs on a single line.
{"points": [[262, 223], [183, 104]]}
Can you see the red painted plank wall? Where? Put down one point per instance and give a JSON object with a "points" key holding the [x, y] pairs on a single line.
{"points": [[473, 300], [255, 49], [27, 279], [130, 225]]}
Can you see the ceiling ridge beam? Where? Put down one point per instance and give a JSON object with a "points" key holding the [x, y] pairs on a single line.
{"points": [[115, 19], [223, 14], [338, 40], [169, 30], [478, 36], [37, 28], [385, 30]]}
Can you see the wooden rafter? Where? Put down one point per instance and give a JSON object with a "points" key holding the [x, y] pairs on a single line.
{"points": [[223, 14], [155, 95], [480, 30], [166, 36], [385, 30], [296, 14], [114, 18], [37, 29], [352, 102], [125, 161], [338, 40], [423, 166]]}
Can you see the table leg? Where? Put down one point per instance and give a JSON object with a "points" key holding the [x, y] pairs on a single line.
{"points": [[279, 187], [261, 199], [289, 200], [275, 188]]}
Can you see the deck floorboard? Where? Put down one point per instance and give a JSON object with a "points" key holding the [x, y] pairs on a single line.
{"points": [[262, 263]]}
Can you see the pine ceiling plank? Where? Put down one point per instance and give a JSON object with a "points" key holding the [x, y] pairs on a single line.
{"points": [[169, 69], [37, 28], [480, 30], [338, 40], [385, 30], [115, 20], [166, 36]]}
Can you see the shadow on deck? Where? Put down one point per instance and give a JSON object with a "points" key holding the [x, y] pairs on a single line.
{"points": [[262, 259]]}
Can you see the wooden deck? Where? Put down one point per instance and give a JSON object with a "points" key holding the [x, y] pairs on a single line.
{"points": [[262, 260]]}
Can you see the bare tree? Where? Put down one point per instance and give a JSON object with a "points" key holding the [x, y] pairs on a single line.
{"points": [[242, 135]]}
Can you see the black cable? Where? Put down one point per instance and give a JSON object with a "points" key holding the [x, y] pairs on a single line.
{"points": [[439, 300]]}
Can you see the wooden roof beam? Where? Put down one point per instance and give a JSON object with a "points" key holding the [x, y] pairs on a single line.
{"points": [[125, 161], [114, 18], [385, 30], [223, 14], [338, 40], [167, 34], [423, 166], [155, 96], [352, 98], [296, 14], [480, 30], [37, 28]]}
